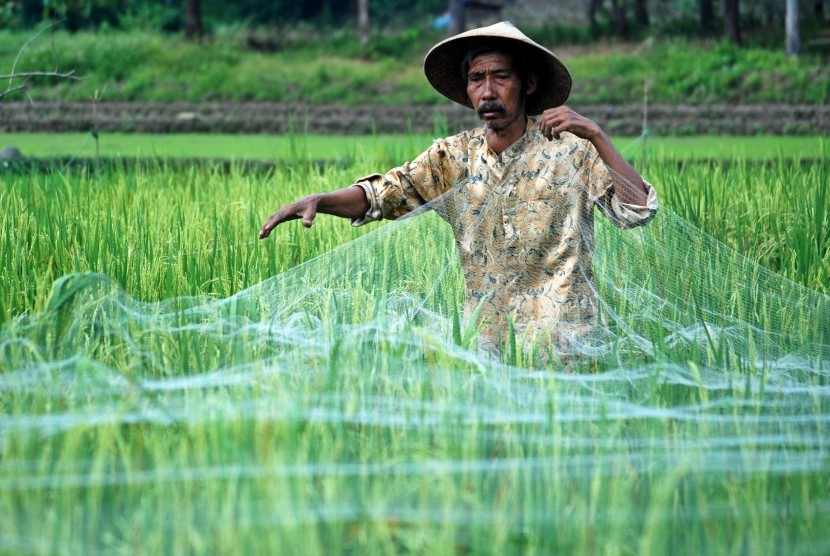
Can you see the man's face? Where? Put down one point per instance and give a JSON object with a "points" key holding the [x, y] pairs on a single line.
{"points": [[495, 90]]}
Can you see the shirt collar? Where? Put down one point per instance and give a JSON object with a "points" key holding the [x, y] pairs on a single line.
{"points": [[513, 150], [516, 148]]}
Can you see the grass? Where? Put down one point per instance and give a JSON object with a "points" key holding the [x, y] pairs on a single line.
{"points": [[697, 73], [320, 412], [389, 149], [332, 68]]}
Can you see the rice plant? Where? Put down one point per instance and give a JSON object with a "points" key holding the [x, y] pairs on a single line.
{"points": [[170, 384]]}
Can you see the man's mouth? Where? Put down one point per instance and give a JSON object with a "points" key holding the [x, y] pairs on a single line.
{"points": [[489, 111]]}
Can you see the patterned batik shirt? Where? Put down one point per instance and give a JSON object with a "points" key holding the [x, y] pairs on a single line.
{"points": [[523, 224]]}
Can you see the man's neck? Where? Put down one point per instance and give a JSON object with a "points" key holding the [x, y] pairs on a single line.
{"points": [[498, 140]]}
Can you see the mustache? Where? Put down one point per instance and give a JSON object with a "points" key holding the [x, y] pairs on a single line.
{"points": [[491, 106]]}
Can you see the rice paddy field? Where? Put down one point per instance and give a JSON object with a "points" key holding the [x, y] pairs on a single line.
{"points": [[383, 149], [170, 384]]}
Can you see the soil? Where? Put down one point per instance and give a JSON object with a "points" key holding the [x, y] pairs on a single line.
{"points": [[226, 117]]}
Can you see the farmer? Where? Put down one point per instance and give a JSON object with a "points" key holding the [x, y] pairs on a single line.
{"points": [[528, 181]]}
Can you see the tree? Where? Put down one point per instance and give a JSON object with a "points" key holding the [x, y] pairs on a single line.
{"points": [[641, 13], [770, 12], [193, 20], [732, 21], [707, 16], [620, 21], [458, 22], [363, 21], [793, 31], [593, 7]]}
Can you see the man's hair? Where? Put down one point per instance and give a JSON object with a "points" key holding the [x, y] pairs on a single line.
{"points": [[517, 56]]}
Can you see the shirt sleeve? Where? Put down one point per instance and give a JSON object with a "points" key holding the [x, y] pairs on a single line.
{"points": [[602, 186], [407, 187]]}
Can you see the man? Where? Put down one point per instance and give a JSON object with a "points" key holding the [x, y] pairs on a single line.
{"points": [[525, 188]]}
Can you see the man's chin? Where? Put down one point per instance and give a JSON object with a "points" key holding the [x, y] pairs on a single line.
{"points": [[495, 123]]}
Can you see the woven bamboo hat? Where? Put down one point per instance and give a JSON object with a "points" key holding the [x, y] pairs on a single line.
{"points": [[442, 65]]}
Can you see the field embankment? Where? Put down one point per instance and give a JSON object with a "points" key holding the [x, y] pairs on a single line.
{"points": [[270, 117]]}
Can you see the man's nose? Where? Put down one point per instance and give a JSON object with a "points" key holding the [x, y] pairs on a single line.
{"points": [[489, 90]]}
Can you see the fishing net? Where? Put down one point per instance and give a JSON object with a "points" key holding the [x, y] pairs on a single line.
{"points": [[354, 403]]}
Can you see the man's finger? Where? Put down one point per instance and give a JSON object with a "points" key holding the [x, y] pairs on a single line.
{"points": [[307, 211], [276, 219], [267, 227], [308, 216], [552, 130], [551, 127]]}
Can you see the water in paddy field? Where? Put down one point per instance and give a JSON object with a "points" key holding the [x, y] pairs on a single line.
{"points": [[343, 406]]}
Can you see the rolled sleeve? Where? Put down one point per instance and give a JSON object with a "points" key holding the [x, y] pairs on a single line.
{"points": [[374, 213], [602, 185], [627, 215], [407, 187], [391, 195]]}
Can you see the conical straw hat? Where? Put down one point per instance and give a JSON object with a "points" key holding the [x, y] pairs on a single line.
{"points": [[442, 66]]}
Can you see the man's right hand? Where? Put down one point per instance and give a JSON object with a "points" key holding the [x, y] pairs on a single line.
{"points": [[350, 202], [305, 208]]}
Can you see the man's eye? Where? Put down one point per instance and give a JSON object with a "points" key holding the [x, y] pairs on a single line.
{"points": [[474, 77]]}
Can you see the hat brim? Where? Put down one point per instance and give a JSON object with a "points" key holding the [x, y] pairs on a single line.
{"points": [[442, 66]]}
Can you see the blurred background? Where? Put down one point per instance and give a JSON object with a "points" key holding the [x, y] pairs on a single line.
{"points": [[703, 66]]}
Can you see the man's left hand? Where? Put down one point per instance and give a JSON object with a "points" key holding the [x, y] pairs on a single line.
{"points": [[556, 120], [629, 183]]}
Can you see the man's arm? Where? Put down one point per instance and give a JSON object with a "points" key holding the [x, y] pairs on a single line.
{"points": [[629, 185], [350, 202]]}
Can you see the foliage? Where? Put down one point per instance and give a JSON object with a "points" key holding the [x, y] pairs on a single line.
{"points": [[75, 14], [699, 73], [311, 66], [762, 22], [164, 15]]}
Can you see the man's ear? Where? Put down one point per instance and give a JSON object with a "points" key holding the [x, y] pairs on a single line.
{"points": [[532, 80]]}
